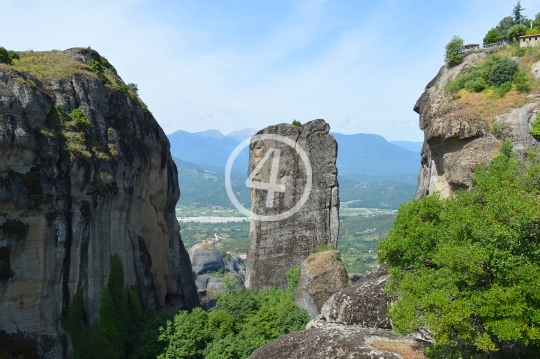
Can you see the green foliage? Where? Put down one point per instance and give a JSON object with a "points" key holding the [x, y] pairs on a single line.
{"points": [[103, 60], [186, 335], [78, 116], [120, 319], [516, 31], [503, 72], [242, 321], [133, 88], [535, 130], [522, 82], [506, 148], [497, 71], [293, 274], [297, 123], [517, 13], [497, 129], [533, 31], [13, 55], [96, 66], [536, 22], [454, 52], [4, 56], [503, 27], [147, 344], [492, 37], [467, 267]]}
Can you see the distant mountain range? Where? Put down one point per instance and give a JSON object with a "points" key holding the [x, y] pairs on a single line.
{"points": [[372, 172]]}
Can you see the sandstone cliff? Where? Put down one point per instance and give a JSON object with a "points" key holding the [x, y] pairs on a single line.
{"points": [[274, 246], [77, 187], [458, 131]]}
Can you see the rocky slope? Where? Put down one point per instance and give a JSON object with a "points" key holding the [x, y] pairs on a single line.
{"points": [[457, 138], [278, 243], [77, 187]]}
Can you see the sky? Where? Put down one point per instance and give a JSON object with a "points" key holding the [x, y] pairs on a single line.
{"points": [[235, 64]]}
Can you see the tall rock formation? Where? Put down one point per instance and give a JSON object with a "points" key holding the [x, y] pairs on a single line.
{"points": [[456, 139], [77, 187], [275, 245]]}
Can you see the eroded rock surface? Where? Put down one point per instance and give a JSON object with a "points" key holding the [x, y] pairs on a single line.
{"points": [[364, 304], [72, 194], [321, 275], [455, 143], [274, 246], [331, 342], [210, 267]]}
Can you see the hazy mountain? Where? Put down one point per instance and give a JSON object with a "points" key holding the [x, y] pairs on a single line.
{"points": [[242, 134], [371, 157], [409, 145], [372, 171]]}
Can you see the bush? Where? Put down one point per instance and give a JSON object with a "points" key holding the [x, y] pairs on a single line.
{"points": [[535, 130], [503, 72], [96, 66], [533, 31], [467, 267], [297, 123], [492, 37], [4, 56], [522, 82], [516, 31], [454, 52], [497, 129], [293, 274], [78, 116], [324, 248]]}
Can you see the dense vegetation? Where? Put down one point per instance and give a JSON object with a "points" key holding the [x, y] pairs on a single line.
{"points": [[467, 267], [242, 321], [509, 29]]}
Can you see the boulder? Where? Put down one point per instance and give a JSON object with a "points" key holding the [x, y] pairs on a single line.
{"points": [[321, 275], [206, 259], [281, 236], [341, 342], [364, 304]]}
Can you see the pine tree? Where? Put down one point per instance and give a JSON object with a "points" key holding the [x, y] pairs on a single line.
{"points": [[517, 13]]}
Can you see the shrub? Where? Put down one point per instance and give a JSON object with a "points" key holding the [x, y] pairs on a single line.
{"points": [[533, 31], [516, 31], [492, 37], [13, 55], [454, 52], [134, 88], [96, 66], [467, 267], [4, 56], [503, 89], [78, 116], [293, 273], [503, 72], [497, 129], [535, 130], [297, 123], [522, 82]]}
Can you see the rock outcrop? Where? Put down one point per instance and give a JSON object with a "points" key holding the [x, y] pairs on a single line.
{"points": [[77, 187], [210, 266], [340, 342], [454, 142], [275, 245], [321, 275], [364, 304]]}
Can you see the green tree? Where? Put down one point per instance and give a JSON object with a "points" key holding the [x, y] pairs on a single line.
{"points": [[503, 72], [4, 56], [517, 13], [454, 52], [503, 27], [492, 37], [467, 267], [516, 31], [536, 22]]}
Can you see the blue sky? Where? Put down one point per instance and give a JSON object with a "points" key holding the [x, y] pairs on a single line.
{"points": [[229, 65]]}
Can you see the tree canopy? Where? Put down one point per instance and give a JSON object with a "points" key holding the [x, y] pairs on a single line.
{"points": [[454, 52], [467, 267]]}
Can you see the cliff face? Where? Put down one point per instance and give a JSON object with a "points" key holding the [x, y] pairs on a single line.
{"points": [[457, 138], [76, 189], [274, 246]]}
